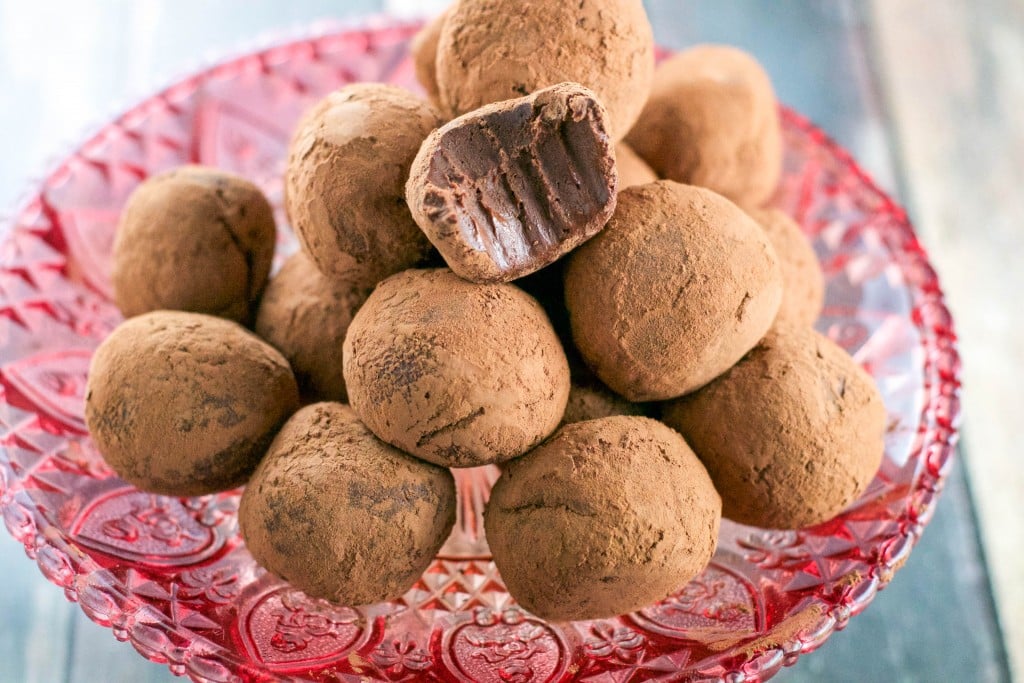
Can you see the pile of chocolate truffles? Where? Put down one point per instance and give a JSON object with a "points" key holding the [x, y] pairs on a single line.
{"points": [[624, 324]]}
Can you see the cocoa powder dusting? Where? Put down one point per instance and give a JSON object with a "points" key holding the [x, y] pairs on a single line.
{"points": [[185, 404], [672, 293], [713, 120], [345, 181], [340, 514], [455, 373], [792, 435], [305, 316], [496, 50], [604, 518], [215, 227]]}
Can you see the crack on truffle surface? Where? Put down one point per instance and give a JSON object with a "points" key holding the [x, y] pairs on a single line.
{"points": [[454, 426]]}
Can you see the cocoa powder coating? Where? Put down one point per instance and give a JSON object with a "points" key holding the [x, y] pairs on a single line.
{"points": [[606, 517], [345, 181], [632, 169], [590, 400], [509, 188], [424, 55], [455, 373], [792, 435], [185, 404], [678, 287], [214, 227], [802, 280], [305, 316], [495, 50], [341, 515], [713, 120]]}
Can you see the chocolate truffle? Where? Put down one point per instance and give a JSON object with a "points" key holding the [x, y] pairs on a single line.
{"points": [[791, 435], [673, 292], [505, 190], [345, 182], [185, 404], [494, 50], [341, 515], [632, 169], [455, 373], [590, 400], [713, 120], [305, 316], [803, 284], [424, 54], [606, 517], [194, 239]]}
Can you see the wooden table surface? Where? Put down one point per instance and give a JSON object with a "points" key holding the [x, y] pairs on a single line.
{"points": [[927, 95]]}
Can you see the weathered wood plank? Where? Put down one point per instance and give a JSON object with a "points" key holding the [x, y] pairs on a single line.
{"points": [[954, 76]]}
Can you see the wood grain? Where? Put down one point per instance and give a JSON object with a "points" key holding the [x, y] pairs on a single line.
{"points": [[954, 78]]}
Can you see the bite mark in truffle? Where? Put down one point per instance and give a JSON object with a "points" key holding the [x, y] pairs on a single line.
{"points": [[506, 190]]}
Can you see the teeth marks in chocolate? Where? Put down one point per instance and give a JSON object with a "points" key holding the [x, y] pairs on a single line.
{"points": [[508, 189]]}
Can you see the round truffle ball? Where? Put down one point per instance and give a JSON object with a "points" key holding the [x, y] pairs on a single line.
{"points": [[424, 54], [305, 316], [458, 374], [194, 239], [713, 120], [672, 293], [345, 181], [632, 169], [341, 515], [590, 400], [185, 404], [803, 284], [792, 435], [495, 50], [606, 517]]}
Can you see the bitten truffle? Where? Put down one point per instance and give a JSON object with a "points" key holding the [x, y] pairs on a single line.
{"points": [[678, 287], [792, 435], [305, 316], [632, 169], [713, 120], [345, 181], [185, 404], [606, 517], [505, 190], [495, 50], [802, 281], [589, 400], [424, 54], [194, 239], [455, 373], [340, 514]]}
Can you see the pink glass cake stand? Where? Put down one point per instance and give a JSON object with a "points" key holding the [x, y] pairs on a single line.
{"points": [[172, 575]]}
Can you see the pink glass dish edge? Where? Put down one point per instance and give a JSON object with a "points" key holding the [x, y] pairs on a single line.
{"points": [[60, 559]]}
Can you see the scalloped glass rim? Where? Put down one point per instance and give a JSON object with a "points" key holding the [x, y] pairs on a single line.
{"points": [[878, 273]]}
